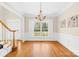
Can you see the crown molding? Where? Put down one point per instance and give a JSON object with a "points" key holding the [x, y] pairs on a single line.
{"points": [[73, 3], [3, 4]]}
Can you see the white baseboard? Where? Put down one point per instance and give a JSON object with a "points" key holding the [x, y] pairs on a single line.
{"points": [[38, 40]]}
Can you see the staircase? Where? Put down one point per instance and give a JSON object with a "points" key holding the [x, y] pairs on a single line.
{"points": [[8, 44]]}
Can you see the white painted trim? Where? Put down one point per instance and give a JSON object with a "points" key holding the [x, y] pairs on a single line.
{"points": [[73, 3], [37, 40]]}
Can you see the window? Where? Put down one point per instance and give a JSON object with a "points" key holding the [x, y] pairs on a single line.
{"points": [[37, 27], [44, 27], [41, 28]]}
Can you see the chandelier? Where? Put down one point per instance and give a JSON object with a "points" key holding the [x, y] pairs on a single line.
{"points": [[40, 15]]}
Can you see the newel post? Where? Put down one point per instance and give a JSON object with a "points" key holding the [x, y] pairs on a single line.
{"points": [[14, 46]]}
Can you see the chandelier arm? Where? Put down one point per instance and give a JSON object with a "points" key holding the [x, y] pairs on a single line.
{"points": [[40, 15]]}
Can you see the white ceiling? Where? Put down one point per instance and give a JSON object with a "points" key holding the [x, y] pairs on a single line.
{"points": [[32, 8]]}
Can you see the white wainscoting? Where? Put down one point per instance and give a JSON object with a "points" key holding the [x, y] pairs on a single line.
{"points": [[28, 37], [70, 41]]}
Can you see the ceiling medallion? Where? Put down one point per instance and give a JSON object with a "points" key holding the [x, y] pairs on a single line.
{"points": [[40, 15]]}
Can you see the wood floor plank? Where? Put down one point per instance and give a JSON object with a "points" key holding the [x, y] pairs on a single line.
{"points": [[40, 49]]}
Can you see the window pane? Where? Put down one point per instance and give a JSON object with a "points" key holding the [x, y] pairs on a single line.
{"points": [[37, 27], [44, 27]]}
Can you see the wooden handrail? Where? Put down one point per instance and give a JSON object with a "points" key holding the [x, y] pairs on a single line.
{"points": [[7, 26], [10, 31]]}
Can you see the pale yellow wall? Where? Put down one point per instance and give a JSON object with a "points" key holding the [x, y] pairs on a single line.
{"points": [[72, 11], [26, 24], [55, 24]]}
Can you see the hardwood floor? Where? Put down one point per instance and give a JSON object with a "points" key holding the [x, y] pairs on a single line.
{"points": [[40, 49]]}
